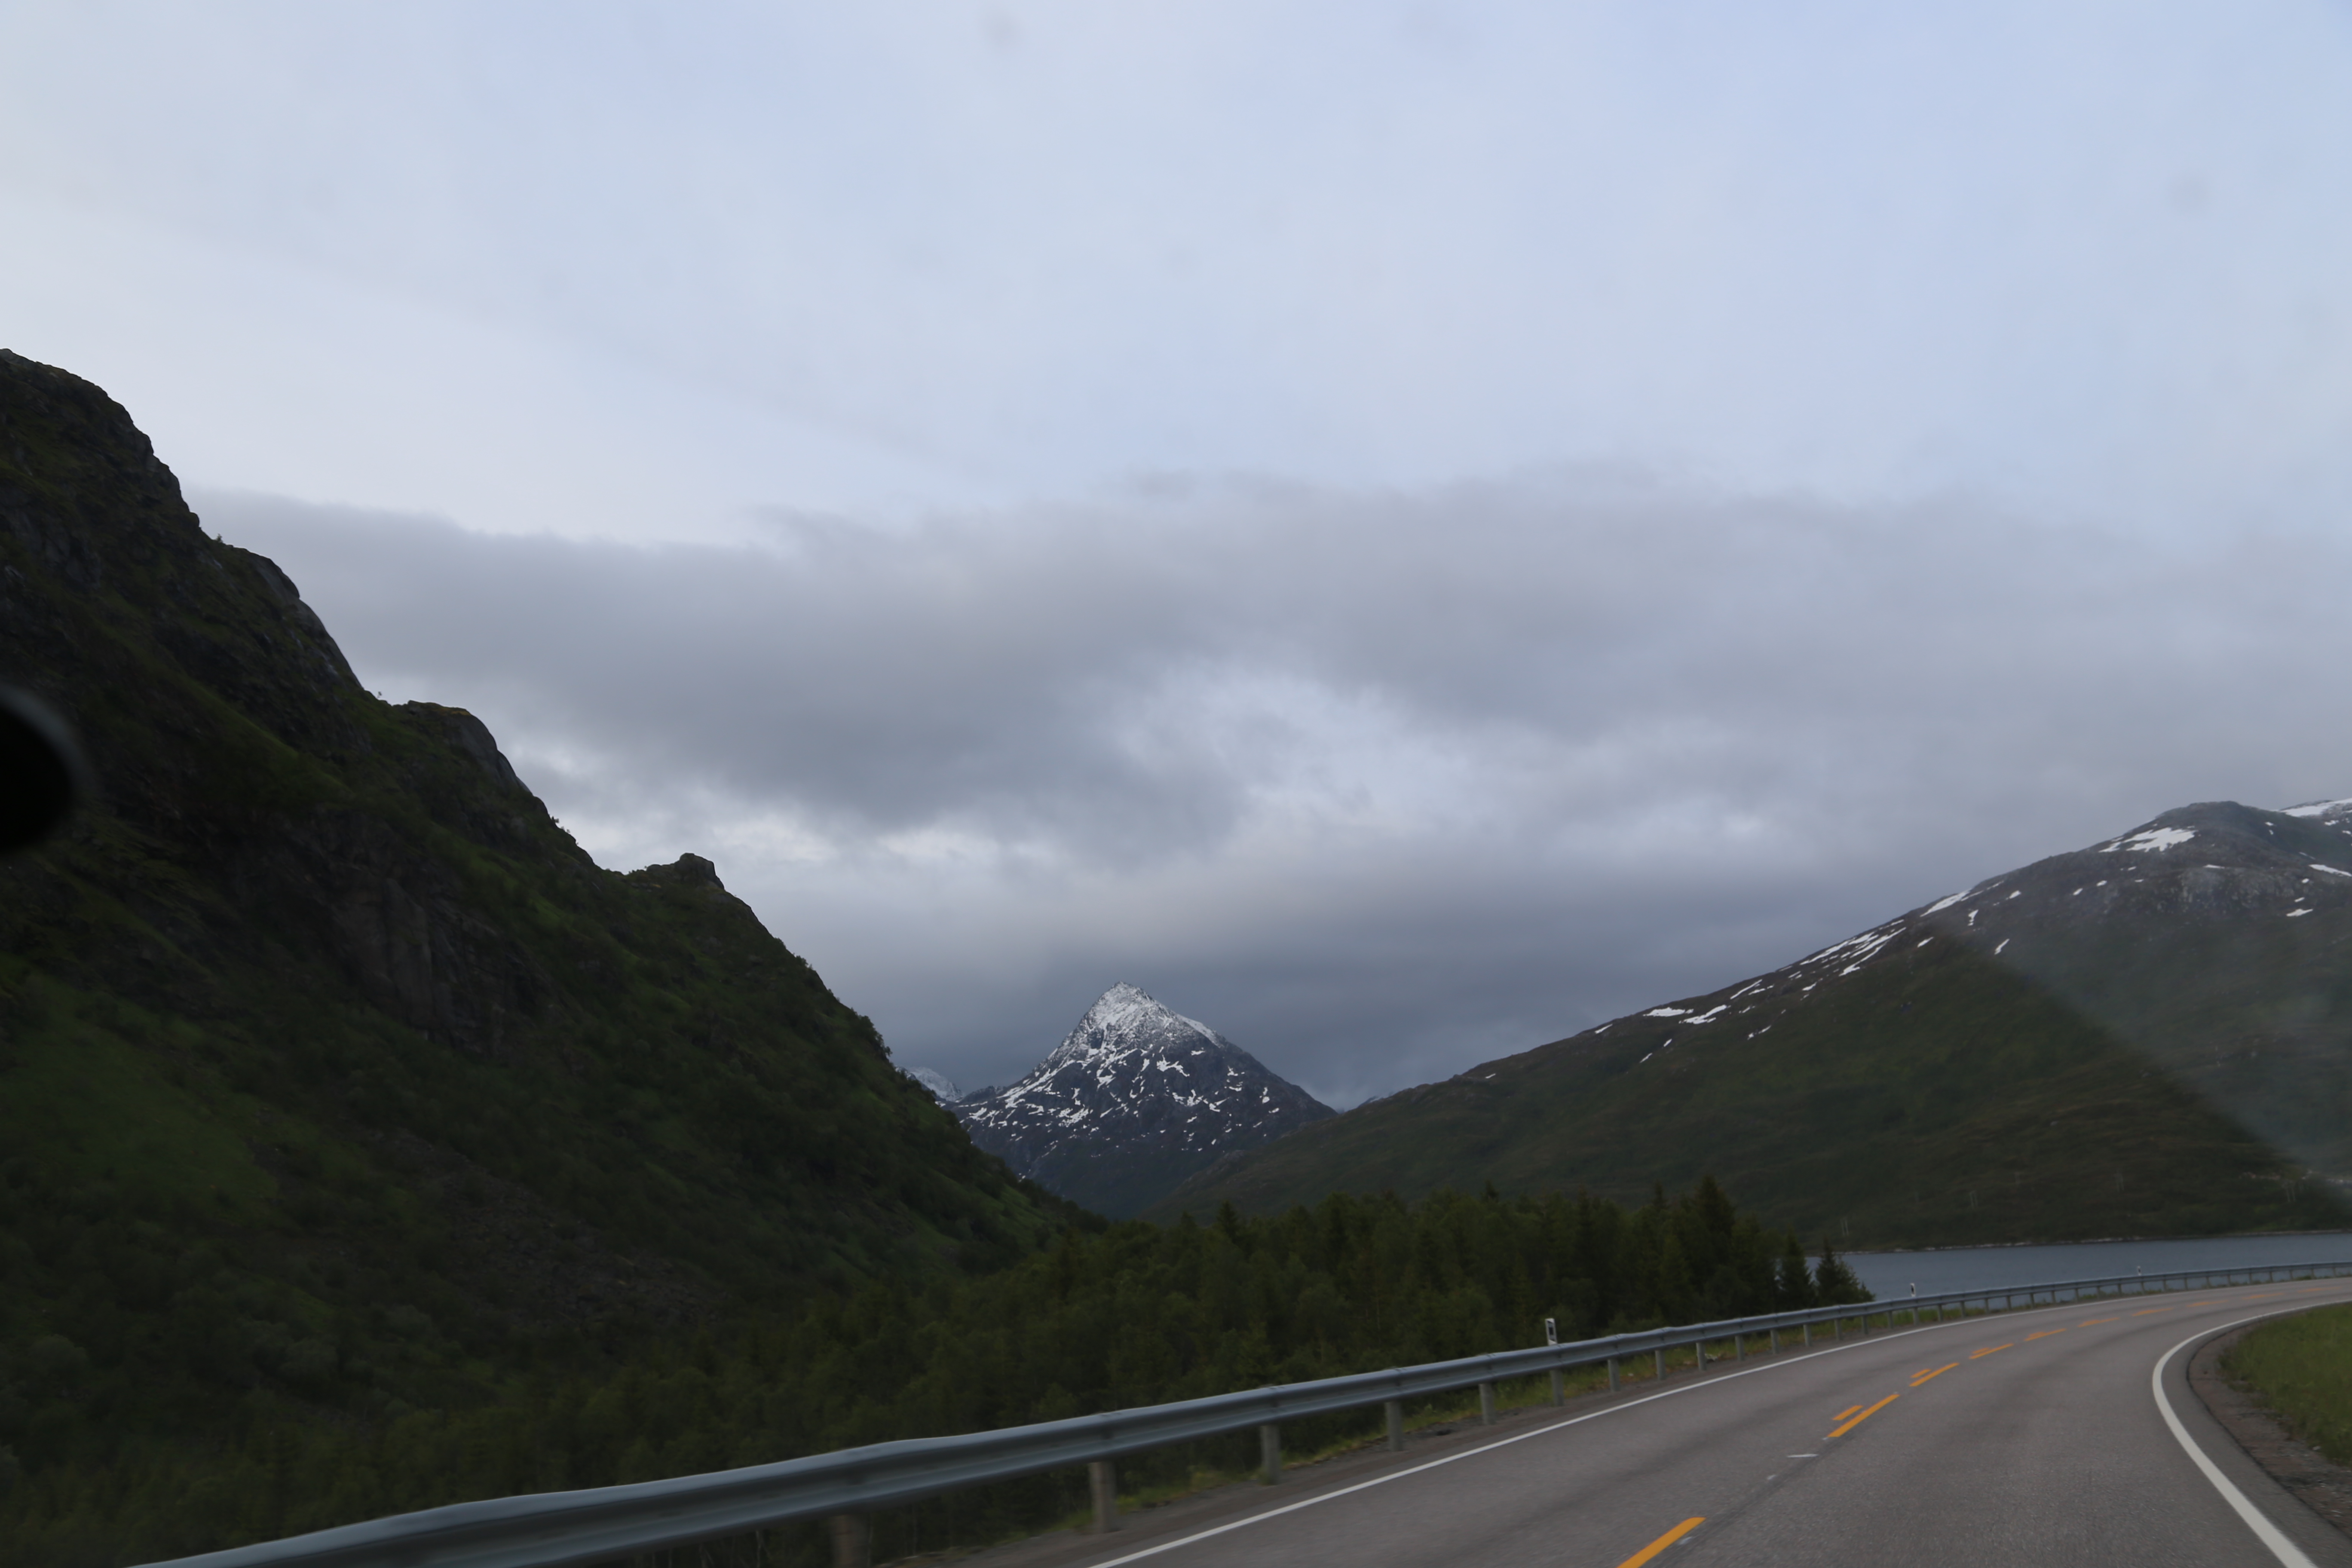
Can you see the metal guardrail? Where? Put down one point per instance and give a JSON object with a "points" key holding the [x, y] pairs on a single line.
{"points": [[547, 1529]]}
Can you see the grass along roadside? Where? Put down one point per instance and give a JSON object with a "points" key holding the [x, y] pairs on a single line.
{"points": [[2302, 1367]]}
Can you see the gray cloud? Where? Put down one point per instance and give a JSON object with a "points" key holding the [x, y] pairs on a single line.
{"points": [[1378, 783]]}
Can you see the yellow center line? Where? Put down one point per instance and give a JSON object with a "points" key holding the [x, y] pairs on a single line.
{"points": [[2150, 1312], [2089, 1322], [1932, 1376], [1846, 1412], [1974, 1355], [1662, 1543], [1864, 1416], [2042, 1335]]}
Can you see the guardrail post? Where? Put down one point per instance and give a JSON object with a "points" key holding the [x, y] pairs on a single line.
{"points": [[1613, 1375], [1394, 1410], [1776, 1341], [1102, 1480], [1809, 1333], [1740, 1347], [1269, 1447], [852, 1544], [1659, 1355], [1485, 1405], [1559, 1394]]}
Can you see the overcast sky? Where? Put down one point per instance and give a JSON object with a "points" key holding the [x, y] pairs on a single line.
{"points": [[1403, 529]]}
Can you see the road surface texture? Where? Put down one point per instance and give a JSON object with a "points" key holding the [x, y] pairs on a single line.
{"points": [[2024, 1439]]}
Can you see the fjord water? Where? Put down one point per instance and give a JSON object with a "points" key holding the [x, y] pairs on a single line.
{"points": [[1891, 1275]]}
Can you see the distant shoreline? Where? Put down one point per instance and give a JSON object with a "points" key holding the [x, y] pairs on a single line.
{"points": [[2087, 1241]]}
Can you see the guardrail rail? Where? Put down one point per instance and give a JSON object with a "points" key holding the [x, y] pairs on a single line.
{"points": [[547, 1529]]}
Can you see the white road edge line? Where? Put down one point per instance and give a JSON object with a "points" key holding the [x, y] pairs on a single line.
{"points": [[2285, 1551], [1523, 1436]]}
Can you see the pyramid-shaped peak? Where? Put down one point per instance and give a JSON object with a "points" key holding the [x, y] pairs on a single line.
{"points": [[1126, 1016], [1124, 1001], [1122, 995], [1134, 1100]]}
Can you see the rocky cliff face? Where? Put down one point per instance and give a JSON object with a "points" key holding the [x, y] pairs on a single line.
{"points": [[317, 1011], [1134, 1100]]}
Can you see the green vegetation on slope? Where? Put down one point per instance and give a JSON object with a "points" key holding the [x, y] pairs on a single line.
{"points": [[2302, 1367], [2250, 1009], [1936, 1096], [336, 1083], [1134, 1315]]}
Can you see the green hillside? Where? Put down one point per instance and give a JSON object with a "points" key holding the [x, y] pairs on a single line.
{"points": [[1939, 1096], [335, 1080]]}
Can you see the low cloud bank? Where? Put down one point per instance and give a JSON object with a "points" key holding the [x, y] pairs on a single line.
{"points": [[1378, 785]]}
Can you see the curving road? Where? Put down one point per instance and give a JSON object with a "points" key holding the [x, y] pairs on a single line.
{"points": [[2031, 1437]]}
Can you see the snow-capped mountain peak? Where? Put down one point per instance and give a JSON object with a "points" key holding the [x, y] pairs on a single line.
{"points": [[942, 1088], [1133, 1099], [1124, 1021]]}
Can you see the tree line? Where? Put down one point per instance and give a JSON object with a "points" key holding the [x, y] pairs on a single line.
{"points": [[1131, 1314]]}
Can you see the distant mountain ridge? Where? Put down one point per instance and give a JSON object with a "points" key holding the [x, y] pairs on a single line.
{"points": [[1136, 1098], [2151, 1035]]}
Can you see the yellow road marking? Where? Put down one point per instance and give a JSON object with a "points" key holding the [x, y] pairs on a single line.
{"points": [[2042, 1335], [1662, 1543], [1932, 1376], [2150, 1312], [2089, 1322], [1846, 1412], [1864, 1416], [1974, 1355]]}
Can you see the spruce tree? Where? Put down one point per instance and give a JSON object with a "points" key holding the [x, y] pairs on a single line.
{"points": [[1835, 1284], [1792, 1287]]}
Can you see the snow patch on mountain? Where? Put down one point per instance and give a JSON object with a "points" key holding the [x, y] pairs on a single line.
{"points": [[2152, 838]]}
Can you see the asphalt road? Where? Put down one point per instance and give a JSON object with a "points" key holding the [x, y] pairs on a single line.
{"points": [[2029, 1438]]}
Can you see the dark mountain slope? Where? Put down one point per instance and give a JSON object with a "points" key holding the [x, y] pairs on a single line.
{"points": [[331, 1071], [2164, 1051], [1135, 1100]]}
